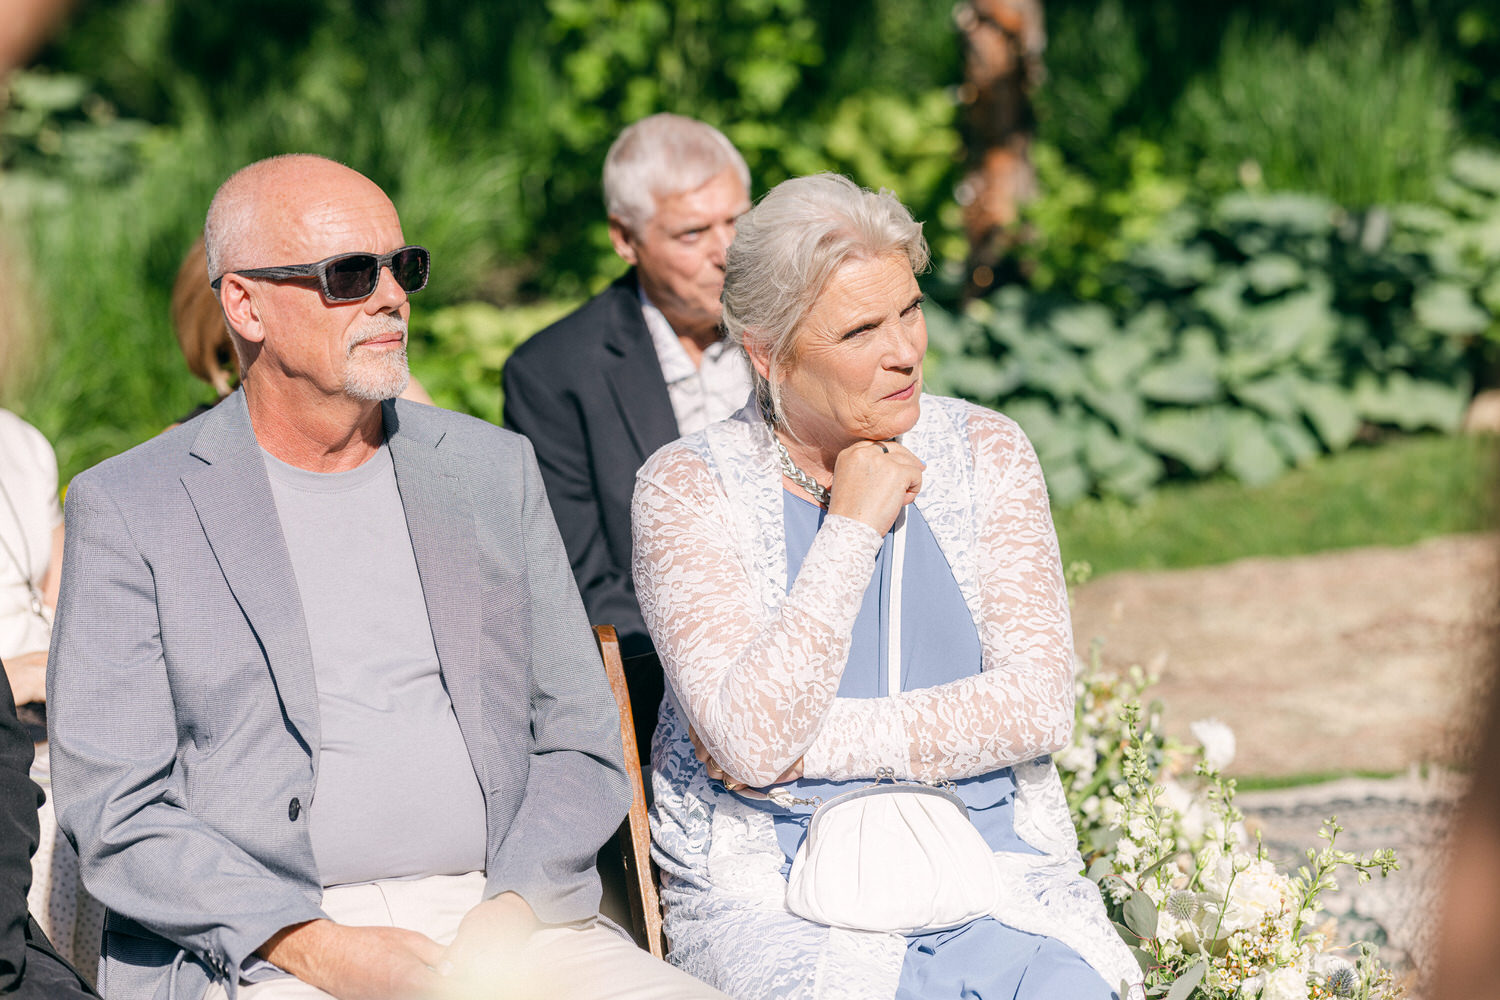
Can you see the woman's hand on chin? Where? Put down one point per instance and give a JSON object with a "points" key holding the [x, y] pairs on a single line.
{"points": [[873, 480], [717, 773]]}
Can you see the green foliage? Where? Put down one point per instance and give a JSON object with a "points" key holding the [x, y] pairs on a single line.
{"points": [[1358, 114], [457, 351], [796, 84], [1243, 338]]}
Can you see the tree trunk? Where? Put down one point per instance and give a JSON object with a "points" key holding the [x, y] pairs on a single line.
{"points": [[1003, 44]]}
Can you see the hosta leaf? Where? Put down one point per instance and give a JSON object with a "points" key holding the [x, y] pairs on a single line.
{"points": [[1273, 273], [1224, 300], [1302, 214], [1411, 404], [1294, 441], [1448, 308], [1445, 307], [1477, 168], [1116, 362], [980, 379], [1086, 325], [1066, 483], [1193, 437], [1175, 265], [1190, 377], [1250, 455], [1331, 411], [1119, 466], [1122, 407], [1275, 395]]}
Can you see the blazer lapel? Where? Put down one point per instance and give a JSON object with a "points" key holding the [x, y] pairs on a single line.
{"points": [[634, 374], [232, 496], [444, 540]]}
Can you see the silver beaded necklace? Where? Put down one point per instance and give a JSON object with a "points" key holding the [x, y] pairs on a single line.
{"points": [[819, 492], [23, 567]]}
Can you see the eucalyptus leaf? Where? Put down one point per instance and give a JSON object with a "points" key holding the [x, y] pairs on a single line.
{"points": [[1140, 914], [1186, 983]]}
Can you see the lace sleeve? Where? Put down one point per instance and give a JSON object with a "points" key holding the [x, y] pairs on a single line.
{"points": [[756, 685], [1021, 705]]}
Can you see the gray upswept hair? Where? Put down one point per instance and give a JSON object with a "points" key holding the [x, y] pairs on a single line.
{"points": [[787, 247], [664, 154]]}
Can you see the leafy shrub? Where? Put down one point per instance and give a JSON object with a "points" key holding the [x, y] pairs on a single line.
{"points": [[1243, 338]]}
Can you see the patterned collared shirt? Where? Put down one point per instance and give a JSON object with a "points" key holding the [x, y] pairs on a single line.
{"points": [[700, 394]]}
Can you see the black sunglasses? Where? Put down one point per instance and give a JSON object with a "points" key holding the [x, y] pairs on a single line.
{"points": [[349, 277]]}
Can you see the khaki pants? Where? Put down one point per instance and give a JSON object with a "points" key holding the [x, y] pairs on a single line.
{"points": [[571, 962]]}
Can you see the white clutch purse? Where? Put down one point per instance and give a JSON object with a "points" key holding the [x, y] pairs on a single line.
{"points": [[892, 857]]}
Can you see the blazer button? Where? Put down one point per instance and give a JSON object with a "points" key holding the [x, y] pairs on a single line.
{"points": [[293, 810]]}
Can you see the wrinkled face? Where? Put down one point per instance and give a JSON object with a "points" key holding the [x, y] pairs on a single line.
{"points": [[680, 251], [856, 371], [355, 349]]}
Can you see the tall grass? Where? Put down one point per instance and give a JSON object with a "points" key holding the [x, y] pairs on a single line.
{"points": [[1361, 115]]}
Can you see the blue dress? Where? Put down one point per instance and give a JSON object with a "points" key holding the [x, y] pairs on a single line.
{"points": [[984, 959]]}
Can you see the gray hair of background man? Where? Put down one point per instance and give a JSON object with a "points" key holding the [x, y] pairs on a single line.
{"points": [[663, 155], [787, 247]]}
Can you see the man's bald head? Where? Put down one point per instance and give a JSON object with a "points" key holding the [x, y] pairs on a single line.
{"points": [[262, 211]]}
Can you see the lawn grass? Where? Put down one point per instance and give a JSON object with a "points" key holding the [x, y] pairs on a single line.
{"points": [[1396, 493]]}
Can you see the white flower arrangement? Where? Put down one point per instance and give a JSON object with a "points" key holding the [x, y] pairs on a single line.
{"points": [[1208, 916]]}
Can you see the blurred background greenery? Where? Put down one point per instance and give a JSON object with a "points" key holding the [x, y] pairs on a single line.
{"points": [[1267, 230]]}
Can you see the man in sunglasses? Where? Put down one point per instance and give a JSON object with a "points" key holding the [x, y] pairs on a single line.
{"points": [[636, 366], [327, 718]]}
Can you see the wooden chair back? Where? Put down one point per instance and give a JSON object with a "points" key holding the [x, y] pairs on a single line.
{"points": [[634, 837]]}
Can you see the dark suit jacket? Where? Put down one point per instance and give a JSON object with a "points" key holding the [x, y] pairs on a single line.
{"points": [[589, 393], [184, 709], [29, 967]]}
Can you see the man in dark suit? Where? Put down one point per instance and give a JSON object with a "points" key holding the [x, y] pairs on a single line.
{"points": [[30, 969], [638, 365]]}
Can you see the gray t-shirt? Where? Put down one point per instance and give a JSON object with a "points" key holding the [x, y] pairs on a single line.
{"points": [[397, 796]]}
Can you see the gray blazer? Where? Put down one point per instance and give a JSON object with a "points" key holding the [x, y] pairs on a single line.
{"points": [[184, 711]]}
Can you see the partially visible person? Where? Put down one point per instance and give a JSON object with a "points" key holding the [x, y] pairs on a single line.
{"points": [[1462, 961], [31, 546], [850, 581], [638, 365], [30, 968], [203, 334], [31, 542]]}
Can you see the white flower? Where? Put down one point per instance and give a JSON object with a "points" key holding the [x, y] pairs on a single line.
{"points": [[1217, 740], [1127, 852], [1246, 889], [1078, 760], [1280, 984]]}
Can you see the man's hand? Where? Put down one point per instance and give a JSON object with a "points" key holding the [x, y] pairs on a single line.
{"points": [[716, 772], [358, 963], [489, 957]]}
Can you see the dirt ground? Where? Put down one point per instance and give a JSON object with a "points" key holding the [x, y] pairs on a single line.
{"points": [[1364, 660]]}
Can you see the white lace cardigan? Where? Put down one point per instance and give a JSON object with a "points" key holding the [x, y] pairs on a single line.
{"points": [[756, 669]]}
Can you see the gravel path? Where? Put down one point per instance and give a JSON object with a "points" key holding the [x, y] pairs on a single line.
{"points": [[1346, 663]]}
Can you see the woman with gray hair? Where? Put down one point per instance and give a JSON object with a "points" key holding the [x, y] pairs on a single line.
{"points": [[851, 582]]}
